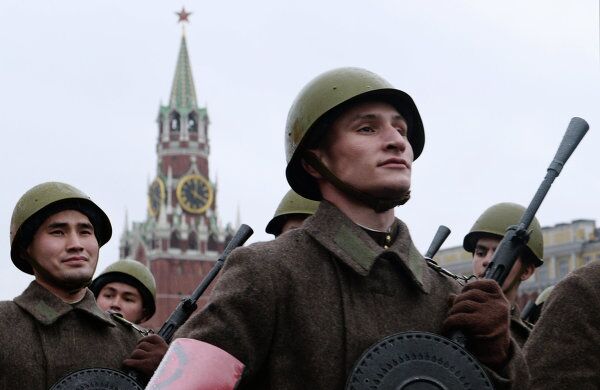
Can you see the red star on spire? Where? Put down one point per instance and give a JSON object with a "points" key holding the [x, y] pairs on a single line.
{"points": [[183, 15]]}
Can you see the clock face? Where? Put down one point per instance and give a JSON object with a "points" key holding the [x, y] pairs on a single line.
{"points": [[194, 193], [156, 196]]}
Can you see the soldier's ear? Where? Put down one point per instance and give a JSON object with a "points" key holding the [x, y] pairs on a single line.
{"points": [[309, 168], [145, 316], [529, 269], [24, 254]]}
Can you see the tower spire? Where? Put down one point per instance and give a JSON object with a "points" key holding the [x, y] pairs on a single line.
{"points": [[183, 92]]}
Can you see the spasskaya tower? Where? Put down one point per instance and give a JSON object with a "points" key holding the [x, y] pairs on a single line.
{"points": [[181, 237]]}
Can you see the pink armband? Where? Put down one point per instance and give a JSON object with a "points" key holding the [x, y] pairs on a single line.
{"points": [[195, 365]]}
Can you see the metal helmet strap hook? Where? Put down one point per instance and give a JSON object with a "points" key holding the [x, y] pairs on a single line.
{"points": [[376, 203]]}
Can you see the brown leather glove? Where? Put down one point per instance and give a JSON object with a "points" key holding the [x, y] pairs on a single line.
{"points": [[147, 355], [482, 313]]}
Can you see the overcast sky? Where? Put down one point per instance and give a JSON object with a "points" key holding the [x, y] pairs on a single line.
{"points": [[496, 83]]}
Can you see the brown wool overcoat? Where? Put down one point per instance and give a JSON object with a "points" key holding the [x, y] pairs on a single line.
{"points": [[519, 329], [42, 339], [563, 351], [300, 310]]}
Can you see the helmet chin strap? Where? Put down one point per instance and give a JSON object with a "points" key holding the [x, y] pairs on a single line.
{"points": [[379, 205]]}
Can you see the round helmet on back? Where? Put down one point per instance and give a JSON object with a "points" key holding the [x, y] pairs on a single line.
{"points": [[133, 273], [496, 220], [321, 101], [42, 201], [291, 204]]}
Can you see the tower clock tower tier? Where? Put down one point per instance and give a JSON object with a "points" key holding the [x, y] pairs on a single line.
{"points": [[181, 237]]}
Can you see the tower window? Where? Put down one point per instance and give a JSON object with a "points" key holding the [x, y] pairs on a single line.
{"points": [[213, 244], [192, 242], [193, 122], [174, 121], [160, 124], [174, 240]]}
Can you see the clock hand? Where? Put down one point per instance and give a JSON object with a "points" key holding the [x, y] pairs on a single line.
{"points": [[196, 195]]}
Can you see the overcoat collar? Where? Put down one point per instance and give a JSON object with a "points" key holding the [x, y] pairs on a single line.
{"points": [[47, 308], [355, 248]]}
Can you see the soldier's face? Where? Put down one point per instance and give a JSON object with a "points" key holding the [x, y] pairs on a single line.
{"points": [[482, 256], [367, 147], [122, 298], [64, 251]]}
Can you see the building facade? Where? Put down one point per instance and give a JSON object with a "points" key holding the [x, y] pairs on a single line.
{"points": [[567, 246], [181, 237]]}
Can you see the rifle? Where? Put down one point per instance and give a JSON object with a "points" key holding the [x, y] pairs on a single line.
{"points": [[105, 378], [188, 305], [533, 309], [440, 236], [529, 310], [426, 360], [517, 236]]}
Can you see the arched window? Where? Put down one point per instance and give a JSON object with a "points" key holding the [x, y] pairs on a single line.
{"points": [[174, 121], [193, 122], [213, 244], [192, 242], [160, 124], [174, 240]]}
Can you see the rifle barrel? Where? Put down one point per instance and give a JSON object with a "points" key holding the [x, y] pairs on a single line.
{"points": [[517, 236], [440, 236]]}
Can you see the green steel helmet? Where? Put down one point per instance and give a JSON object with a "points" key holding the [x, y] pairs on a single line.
{"points": [[133, 273], [495, 220], [322, 100], [291, 204], [42, 201], [543, 296]]}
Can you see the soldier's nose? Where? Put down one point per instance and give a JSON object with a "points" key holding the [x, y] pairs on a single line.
{"points": [[74, 243]]}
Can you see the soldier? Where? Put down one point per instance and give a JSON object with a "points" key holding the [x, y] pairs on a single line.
{"points": [[482, 241], [291, 212], [562, 351], [55, 327], [127, 287], [300, 310]]}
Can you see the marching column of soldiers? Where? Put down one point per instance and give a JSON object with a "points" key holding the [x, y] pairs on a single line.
{"points": [[297, 312]]}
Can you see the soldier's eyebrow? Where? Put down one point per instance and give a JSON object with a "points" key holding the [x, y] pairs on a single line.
{"points": [[62, 225], [85, 225], [371, 116], [57, 225]]}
